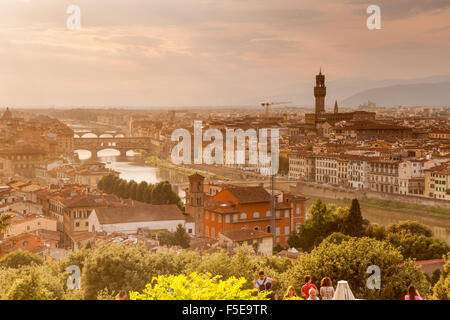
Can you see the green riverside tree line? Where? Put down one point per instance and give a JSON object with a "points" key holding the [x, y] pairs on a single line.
{"points": [[160, 193]]}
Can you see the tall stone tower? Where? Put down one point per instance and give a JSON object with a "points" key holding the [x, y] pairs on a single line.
{"points": [[320, 91], [336, 108], [196, 199]]}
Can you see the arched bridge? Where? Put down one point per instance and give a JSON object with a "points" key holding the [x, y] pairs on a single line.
{"points": [[94, 145]]}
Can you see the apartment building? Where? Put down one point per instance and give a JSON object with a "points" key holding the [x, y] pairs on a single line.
{"points": [[411, 177], [383, 175], [302, 166], [358, 170], [437, 181], [235, 208], [327, 169]]}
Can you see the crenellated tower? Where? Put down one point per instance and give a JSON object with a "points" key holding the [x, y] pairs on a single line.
{"points": [[320, 91]]}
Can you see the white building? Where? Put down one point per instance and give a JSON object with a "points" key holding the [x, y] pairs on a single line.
{"points": [[129, 219], [358, 170], [326, 169], [252, 239], [411, 176]]}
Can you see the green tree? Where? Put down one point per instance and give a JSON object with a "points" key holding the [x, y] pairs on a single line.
{"points": [[133, 186], [181, 238], [418, 247], [122, 191], [441, 290], [17, 259], [115, 267], [323, 220], [414, 240], [409, 227], [141, 190], [196, 287], [148, 194], [354, 222], [32, 282], [5, 222]]}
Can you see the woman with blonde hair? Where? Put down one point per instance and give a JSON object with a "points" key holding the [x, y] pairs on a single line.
{"points": [[290, 293], [326, 289]]}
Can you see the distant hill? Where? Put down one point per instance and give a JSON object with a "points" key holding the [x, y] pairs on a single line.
{"points": [[417, 94]]}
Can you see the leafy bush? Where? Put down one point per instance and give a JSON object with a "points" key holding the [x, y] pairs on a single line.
{"points": [[197, 287], [31, 282], [20, 258], [441, 290]]}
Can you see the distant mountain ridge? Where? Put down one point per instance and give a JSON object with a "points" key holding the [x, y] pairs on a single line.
{"points": [[347, 92], [417, 94]]}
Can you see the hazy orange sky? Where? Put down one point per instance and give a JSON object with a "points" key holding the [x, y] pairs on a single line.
{"points": [[209, 52]]}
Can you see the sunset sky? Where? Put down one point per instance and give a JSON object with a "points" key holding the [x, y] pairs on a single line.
{"points": [[209, 52]]}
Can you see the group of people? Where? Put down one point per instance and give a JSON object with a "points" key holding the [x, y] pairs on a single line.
{"points": [[310, 292]]}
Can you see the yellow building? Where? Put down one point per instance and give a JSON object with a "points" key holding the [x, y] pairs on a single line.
{"points": [[30, 223], [21, 160], [437, 182]]}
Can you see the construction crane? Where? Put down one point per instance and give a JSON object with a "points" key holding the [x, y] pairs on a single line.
{"points": [[267, 106]]}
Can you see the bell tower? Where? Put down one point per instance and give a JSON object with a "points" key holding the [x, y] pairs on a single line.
{"points": [[320, 91], [195, 201]]}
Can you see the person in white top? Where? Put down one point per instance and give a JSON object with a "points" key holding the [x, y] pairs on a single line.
{"points": [[260, 283]]}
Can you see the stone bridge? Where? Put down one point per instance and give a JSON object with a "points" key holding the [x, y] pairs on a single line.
{"points": [[98, 133], [94, 145]]}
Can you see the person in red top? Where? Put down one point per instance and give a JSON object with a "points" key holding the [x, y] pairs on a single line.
{"points": [[307, 286]]}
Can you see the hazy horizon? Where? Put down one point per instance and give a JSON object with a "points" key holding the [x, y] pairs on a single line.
{"points": [[188, 53]]}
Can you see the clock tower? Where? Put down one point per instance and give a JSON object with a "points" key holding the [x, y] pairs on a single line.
{"points": [[320, 92]]}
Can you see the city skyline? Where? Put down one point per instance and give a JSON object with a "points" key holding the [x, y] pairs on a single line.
{"points": [[201, 53]]}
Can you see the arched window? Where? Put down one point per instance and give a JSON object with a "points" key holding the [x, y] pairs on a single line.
{"points": [[269, 229], [256, 228], [256, 215], [243, 215]]}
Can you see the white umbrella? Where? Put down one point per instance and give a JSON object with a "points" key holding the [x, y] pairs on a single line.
{"points": [[343, 291]]}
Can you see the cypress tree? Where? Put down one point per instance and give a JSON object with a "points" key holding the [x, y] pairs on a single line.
{"points": [[353, 223]]}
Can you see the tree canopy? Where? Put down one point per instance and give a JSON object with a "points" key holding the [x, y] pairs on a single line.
{"points": [[160, 193]]}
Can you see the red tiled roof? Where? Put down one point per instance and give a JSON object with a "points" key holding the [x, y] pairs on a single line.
{"points": [[246, 195]]}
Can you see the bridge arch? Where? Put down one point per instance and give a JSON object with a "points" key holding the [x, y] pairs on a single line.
{"points": [[108, 152], [84, 154], [89, 135], [106, 135]]}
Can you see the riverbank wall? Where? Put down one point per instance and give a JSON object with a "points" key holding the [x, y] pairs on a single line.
{"points": [[310, 188]]}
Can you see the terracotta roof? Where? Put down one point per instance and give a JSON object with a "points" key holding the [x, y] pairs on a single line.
{"points": [[441, 169], [196, 176], [245, 234], [249, 194], [141, 213]]}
